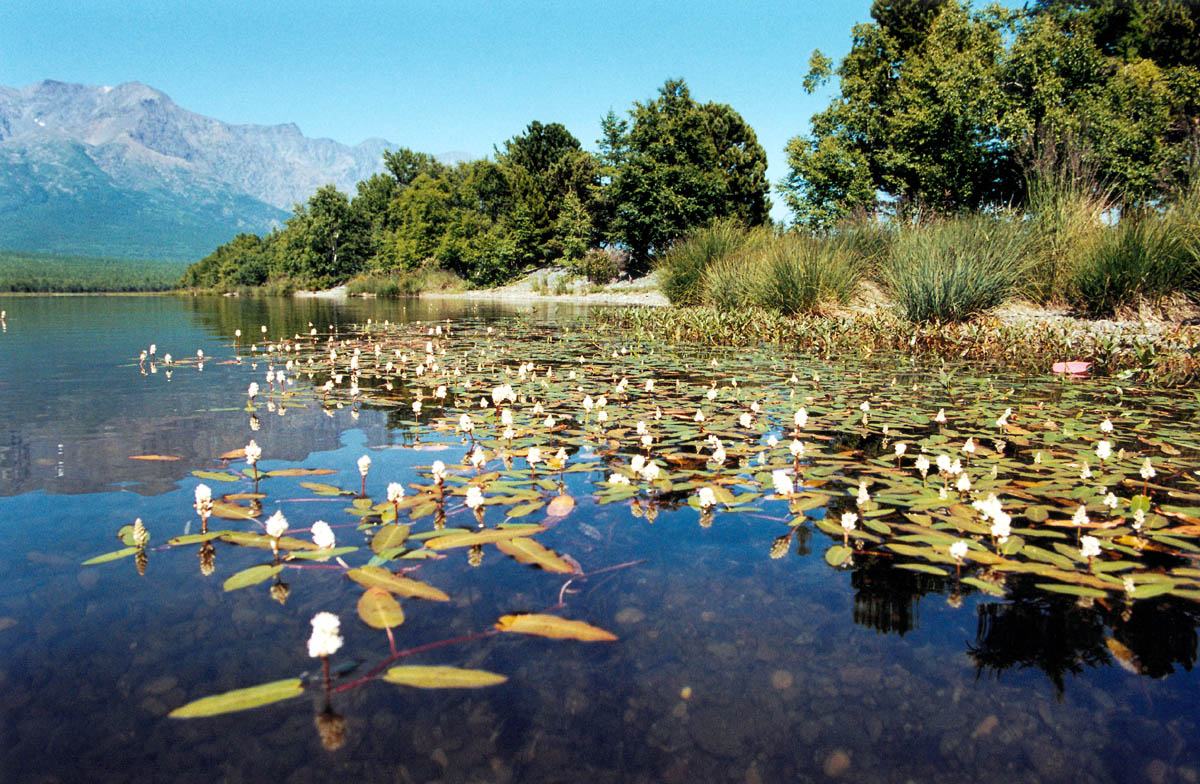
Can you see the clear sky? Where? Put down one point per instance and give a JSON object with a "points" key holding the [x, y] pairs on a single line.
{"points": [[437, 76]]}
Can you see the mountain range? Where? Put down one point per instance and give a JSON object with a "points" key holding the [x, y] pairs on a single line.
{"points": [[124, 171]]}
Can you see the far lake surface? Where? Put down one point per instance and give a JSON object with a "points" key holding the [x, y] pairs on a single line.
{"points": [[745, 652]]}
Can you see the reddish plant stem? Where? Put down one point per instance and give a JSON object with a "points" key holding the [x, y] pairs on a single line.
{"points": [[411, 651]]}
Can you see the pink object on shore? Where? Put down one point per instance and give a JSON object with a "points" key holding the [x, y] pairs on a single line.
{"points": [[1073, 368]]}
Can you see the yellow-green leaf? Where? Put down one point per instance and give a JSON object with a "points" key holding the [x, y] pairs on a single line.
{"points": [[216, 476], [389, 537], [530, 551], [252, 576], [302, 472], [481, 537], [114, 555], [379, 609], [378, 577], [240, 699], [553, 626], [425, 677]]}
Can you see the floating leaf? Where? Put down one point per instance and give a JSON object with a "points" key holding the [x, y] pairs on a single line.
{"points": [[389, 537], [231, 511], [234, 454], [379, 610], [288, 472], [264, 542], [215, 476], [553, 626], [837, 555], [378, 577], [197, 538], [524, 509], [529, 551], [240, 699], [153, 457], [323, 489], [481, 537], [252, 576], [319, 555], [560, 506], [425, 677], [113, 556]]}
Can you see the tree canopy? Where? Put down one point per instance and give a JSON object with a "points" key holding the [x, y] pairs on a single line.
{"points": [[947, 108]]}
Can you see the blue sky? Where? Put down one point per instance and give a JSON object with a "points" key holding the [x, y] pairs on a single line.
{"points": [[437, 76]]}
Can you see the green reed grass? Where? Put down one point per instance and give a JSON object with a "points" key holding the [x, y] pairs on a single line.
{"points": [[682, 269], [953, 269]]}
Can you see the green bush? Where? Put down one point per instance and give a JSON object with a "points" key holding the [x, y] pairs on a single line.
{"points": [[682, 269], [954, 269], [598, 266]]}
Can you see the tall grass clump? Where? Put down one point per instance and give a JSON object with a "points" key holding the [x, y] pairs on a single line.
{"points": [[868, 239], [1142, 259], [953, 269], [732, 282], [682, 268], [799, 274], [1066, 210], [405, 283]]}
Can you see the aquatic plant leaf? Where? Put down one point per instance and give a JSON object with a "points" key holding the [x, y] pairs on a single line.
{"points": [[560, 506], [233, 454], [553, 626], [525, 509], [288, 472], [1148, 590], [379, 610], [231, 511], [196, 538], [1074, 590], [378, 577], [321, 488], [434, 677], [215, 476], [319, 555], [529, 551], [168, 458], [113, 556], [920, 567], [983, 585], [389, 537], [240, 699], [252, 576], [481, 537], [264, 542], [837, 555]]}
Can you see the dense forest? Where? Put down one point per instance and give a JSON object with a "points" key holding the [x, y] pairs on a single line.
{"points": [[50, 273], [942, 109]]}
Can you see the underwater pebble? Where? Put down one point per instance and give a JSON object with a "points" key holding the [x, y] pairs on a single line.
{"points": [[781, 679], [836, 764], [1156, 771], [7, 622], [88, 578], [161, 685], [630, 615], [985, 727]]}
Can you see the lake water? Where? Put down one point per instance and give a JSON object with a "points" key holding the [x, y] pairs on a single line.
{"points": [[731, 664]]}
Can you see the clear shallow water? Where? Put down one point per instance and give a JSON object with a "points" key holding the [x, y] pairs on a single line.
{"points": [[795, 671]]}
